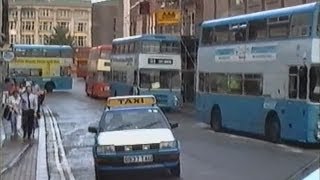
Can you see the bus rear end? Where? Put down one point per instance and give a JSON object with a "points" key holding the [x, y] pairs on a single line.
{"points": [[81, 58], [99, 69]]}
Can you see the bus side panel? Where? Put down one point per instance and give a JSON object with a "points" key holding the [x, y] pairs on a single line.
{"points": [[314, 119], [293, 117], [120, 89], [63, 83]]}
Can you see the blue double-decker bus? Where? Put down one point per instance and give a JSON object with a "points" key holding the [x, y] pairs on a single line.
{"points": [[260, 73], [152, 63], [47, 65]]}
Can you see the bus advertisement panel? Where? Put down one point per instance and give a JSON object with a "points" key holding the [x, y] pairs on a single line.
{"points": [[150, 65], [81, 60], [260, 73], [47, 65], [98, 72]]}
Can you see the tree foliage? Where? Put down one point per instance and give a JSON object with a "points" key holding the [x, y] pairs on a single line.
{"points": [[60, 36]]}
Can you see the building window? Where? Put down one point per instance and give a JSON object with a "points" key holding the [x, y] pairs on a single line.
{"points": [[236, 2], [13, 39], [64, 25], [81, 13], [81, 41], [45, 26], [81, 27], [45, 12], [26, 13], [12, 25], [13, 13], [27, 39], [63, 13], [28, 25], [43, 39]]}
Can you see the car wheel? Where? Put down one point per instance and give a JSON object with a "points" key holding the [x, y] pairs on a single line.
{"points": [[176, 171]]}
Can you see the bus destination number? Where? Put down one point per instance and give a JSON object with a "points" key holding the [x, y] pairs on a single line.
{"points": [[159, 61]]}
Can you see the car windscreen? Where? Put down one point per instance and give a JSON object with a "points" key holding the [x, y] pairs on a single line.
{"points": [[149, 118]]}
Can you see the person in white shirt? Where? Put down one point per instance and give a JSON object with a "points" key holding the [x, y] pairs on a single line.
{"points": [[14, 103], [29, 104]]}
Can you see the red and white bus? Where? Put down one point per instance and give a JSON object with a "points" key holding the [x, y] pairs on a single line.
{"points": [[99, 72], [81, 61]]}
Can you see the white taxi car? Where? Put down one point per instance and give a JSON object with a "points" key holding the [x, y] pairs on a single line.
{"points": [[134, 134]]}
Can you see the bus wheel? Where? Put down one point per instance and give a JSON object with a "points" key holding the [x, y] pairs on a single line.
{"points": [[49, 87], [273, 128], [216, 119]]}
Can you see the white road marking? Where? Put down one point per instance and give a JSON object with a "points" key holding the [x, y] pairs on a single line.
{"points": [[56, 151], [290, 149], [201, 125], [42, 170], [63, 154]]}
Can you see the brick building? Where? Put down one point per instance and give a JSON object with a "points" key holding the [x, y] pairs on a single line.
{"points": [[110, 19]]}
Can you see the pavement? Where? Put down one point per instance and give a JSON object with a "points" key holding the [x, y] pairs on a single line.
{"points": [[205, 153], [20, 158]]}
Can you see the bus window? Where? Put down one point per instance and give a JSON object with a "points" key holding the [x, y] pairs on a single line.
{"points": [[279, 27], [239, 32], [66, 53], [207, 36], [235, 83], [150, 47], [104, 54], [201, 82], [257, 30], [301, 25], [52, 53], [221, 82], [303, 78], [221, 34], [315, 83], [293, 82], [37, 52], [253, 84]]}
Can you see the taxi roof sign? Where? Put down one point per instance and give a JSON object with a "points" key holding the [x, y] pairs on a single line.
{"points": [[122, 101]]}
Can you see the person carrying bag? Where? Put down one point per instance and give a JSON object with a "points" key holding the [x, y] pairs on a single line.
{"points": [[14, 103]]}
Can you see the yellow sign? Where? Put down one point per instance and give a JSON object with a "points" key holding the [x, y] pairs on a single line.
{"points": [[35, 61], [131, 101], [168, 16]]}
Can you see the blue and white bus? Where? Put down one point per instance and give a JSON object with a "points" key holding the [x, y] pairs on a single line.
{"points": [[47, 65], [150, 62], [260, 73]]}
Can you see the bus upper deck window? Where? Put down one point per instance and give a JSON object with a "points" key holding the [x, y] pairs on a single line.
{"points": [[257, 30]]}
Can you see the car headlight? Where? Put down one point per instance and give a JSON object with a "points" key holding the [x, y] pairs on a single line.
{"points": [[168, 145], [318, 125], [105, 149]]}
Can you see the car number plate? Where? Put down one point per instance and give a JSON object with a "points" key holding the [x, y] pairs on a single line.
{"points": [[137, 159]]}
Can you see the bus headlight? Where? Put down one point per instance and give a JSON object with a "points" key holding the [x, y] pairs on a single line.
{"points": [[105, 149], [168, 145]]}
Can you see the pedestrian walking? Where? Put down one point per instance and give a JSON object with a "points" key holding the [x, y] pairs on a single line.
{"points": [[14, 103], [29, 108]]}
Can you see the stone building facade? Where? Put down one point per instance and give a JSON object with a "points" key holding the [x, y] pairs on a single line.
{"points": [[31, 20]]}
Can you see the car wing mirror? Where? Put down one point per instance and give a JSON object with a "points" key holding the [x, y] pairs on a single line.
{"points": [[174, 125], [93, 130]]}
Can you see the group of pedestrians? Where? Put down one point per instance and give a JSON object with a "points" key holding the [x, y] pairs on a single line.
{"points": [[23, 105]]}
